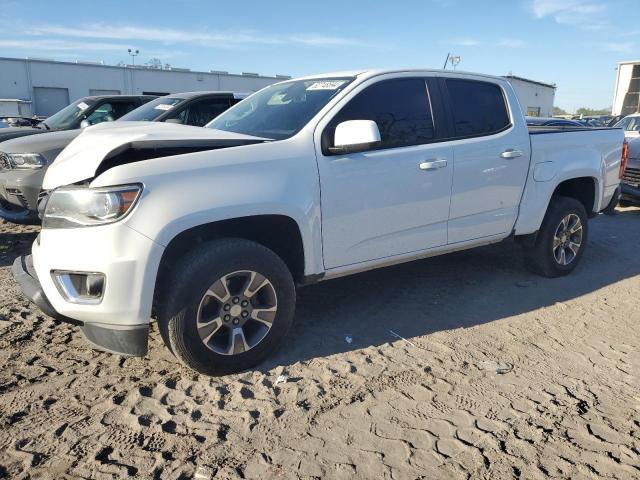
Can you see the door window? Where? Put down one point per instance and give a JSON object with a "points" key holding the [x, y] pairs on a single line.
{"points": [[478, 108], [400, 107], [201, 112], [110, 111]]}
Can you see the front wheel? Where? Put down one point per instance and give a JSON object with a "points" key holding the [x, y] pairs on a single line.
{"points": [[229, 304], [561, 240]]}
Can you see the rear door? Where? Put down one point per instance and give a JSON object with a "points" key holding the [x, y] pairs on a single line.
{"points": [[491, 151], [393, 199]]}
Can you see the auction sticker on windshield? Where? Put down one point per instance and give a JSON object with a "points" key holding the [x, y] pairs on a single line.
{"points": [[327, 85], [83, 106], [163, 106]]}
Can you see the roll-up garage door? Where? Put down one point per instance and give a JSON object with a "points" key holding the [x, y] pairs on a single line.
{"points": [[49, 100]]}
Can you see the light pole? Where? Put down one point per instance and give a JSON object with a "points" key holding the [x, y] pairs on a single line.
{"points": [[133, 54]]}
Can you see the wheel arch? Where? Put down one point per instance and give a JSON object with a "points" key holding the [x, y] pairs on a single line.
{"points": [[583, 189], [279, 233], [583, 186]]}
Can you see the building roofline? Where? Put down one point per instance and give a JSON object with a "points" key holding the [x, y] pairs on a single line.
{"points": [[535, 82], [129, 67], [632, 62]]}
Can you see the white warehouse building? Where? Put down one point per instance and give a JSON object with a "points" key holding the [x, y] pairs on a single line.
{"points": [[536, 98], [626, 97], [43, 87]]}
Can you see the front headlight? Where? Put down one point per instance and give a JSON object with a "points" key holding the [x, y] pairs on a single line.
{"points": [[71, 207], [27, 161]]}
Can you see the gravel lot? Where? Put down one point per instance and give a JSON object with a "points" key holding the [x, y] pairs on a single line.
{"points": [[432, 405]]}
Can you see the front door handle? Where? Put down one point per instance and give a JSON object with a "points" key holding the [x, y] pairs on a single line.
{"points": [[511, 153], [433, 164]]}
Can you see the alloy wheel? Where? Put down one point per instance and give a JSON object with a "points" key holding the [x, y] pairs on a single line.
{"points": [[237, 312], [567, 239]]}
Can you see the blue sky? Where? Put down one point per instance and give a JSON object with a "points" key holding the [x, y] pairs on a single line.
{"points": [[573, 43]]}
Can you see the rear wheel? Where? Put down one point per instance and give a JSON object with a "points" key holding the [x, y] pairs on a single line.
{"points": [[561, 240], [229, 304]]}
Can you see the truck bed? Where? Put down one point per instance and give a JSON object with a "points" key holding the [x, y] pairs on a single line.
{"points": [[541, 129]]}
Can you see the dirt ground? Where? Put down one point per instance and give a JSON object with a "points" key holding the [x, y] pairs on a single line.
{"points": [[498, 374]]}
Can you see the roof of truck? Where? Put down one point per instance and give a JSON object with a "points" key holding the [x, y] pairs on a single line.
{"points": [[366, 73]]}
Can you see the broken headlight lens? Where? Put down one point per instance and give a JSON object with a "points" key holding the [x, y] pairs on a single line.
{"points": [[72, 207]]}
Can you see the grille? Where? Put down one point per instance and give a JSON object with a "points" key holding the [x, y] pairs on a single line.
{"points": [[632, 176], [5, 164]]}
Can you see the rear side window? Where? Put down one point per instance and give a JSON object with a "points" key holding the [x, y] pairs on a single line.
{"points": [[400, 108], [478, 108]]}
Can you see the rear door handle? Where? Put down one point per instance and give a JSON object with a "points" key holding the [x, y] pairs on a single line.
{"points": [[511, 153], [433, 164]]}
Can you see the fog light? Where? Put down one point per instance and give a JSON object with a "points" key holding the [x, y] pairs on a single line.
{"points": [[80, 287]]}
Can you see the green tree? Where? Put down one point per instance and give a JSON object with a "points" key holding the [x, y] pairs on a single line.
{"points": [[559, 111], [593, 111]]}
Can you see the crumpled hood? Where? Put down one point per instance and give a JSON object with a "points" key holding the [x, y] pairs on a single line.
{"points": [[84, 155]]}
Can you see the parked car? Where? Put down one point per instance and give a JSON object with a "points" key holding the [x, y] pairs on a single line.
{"points": [[24, 161], [631, 125], [589, 122], [82, 113], [209, 230], [551, 122], [615, 119], [631, 179]]}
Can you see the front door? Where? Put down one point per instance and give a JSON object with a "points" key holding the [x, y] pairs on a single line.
{"points": [[393, 199]]}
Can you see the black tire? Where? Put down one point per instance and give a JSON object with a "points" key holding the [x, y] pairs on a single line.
{"points": [[192, 277], [541, 257], [625, 203]]}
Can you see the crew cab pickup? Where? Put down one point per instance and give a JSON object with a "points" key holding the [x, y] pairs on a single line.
{"points": [[211, 230]]}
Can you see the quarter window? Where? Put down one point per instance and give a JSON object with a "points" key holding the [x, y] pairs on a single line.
{"points": [[400, 108], [478, 108]]}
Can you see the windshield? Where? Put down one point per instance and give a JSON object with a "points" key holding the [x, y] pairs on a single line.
{"points": [[280, 111], [629, 124], [152, 110], [68, 117]]}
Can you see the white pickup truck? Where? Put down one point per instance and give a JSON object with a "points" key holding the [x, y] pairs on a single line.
{"points": [[210, 231]]}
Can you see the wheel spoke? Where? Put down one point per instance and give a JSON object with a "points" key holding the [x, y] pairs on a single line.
{"points": [[556, 243], [264, 315], [576, 227], [254, 284], [574, 247], [238, 343], [206, 330], [220, 290], [563, 223], [563, 256]]}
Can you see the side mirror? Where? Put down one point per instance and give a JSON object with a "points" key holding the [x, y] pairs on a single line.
{"points": [[355, 136], [85, 124]]}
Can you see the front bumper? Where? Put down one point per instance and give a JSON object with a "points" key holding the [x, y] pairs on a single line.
{"points": [[124, 340], [21, 188], [630, 193]]}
